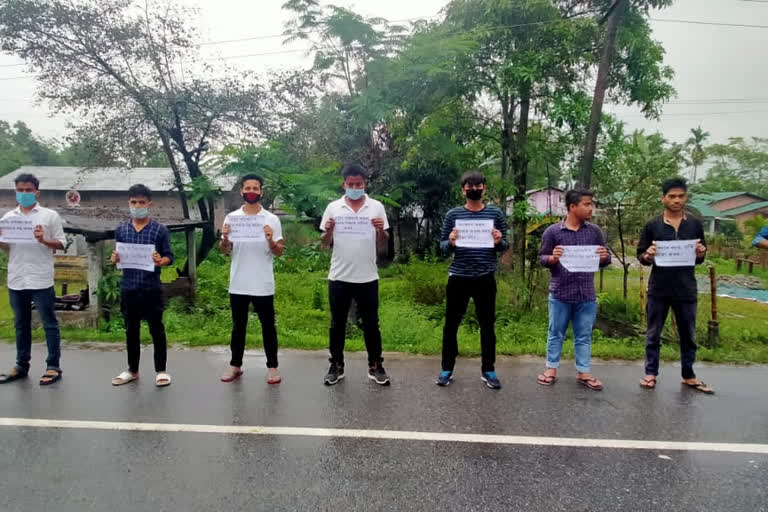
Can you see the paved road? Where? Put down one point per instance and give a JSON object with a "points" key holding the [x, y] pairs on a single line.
{"points": [[98, 469]]}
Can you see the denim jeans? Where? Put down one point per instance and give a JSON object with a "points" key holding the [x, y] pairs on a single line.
{"points": [[21, 303], [582, 316]]}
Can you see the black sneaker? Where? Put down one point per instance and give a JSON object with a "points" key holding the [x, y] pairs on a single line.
{"points": [[335, 374], [379, 374]]}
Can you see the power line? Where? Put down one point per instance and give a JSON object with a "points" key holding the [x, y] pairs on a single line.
{"points": [[681, 114], [718, 24]]}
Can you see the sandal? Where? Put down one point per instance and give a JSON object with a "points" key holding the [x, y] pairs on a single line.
{"points": [[546, 380], [124, 378], [231, 375], [700, 386], [162, 380], [591, 383], [648, 382], [273, 376], [49, 377], [11, 376]]}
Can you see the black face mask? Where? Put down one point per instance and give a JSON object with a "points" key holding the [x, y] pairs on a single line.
{"points": [[251, 197], [474, 194]]}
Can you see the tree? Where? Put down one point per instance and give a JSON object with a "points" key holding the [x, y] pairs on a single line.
{"points": [[741, 164], [131, 70], [19, 146], [629, 170], [695, 147], [612, 16]]}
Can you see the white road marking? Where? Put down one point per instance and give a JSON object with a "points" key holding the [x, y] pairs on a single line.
{"points": [[400, 435]]}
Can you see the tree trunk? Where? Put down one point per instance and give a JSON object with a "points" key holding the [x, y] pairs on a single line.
{"points": [[615, 14], [520, 168]]}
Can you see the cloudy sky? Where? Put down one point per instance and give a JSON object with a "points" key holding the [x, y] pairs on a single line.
{"points": [[721, 71]]}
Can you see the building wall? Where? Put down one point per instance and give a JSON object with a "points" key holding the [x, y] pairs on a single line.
{"points": [[734, 202], [164, 204], [542, 199], [742, 218]]}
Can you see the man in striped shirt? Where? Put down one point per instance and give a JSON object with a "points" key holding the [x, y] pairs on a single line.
{"points": [[475, 233]]}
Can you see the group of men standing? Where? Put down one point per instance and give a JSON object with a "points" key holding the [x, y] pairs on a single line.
{"points": [[355, 228]]}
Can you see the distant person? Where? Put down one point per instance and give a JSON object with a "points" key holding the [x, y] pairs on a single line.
{"points": [[471, 275], [141, 294], [355, 226], [30, 279], [672, 286], [761, 240], [251, 277], [572, 297]]}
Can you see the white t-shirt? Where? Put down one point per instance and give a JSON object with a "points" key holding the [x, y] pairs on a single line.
{"points": [[30, 266], [251, 271], [354, 260]]}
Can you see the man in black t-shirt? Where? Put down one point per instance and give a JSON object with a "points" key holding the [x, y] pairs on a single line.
{"points": [[672, 286]]}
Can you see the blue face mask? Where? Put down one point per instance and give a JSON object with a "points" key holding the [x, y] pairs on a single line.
{"points": [[354, 193], [26, 199], [139, 213]]}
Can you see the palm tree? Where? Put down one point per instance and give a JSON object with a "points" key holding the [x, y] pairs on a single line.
{"points": [[695, 146]]}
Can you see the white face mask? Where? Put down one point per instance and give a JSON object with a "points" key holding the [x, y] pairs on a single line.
{"points": [[354, 193]]}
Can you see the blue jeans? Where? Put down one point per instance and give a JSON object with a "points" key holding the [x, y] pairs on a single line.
{"points": [[21, 303], [582, 316]]}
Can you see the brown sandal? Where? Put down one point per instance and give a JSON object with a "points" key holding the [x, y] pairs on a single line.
{"points": [[546, 380], [231, 375], [700, 386], [592, 384], [648, 383]]}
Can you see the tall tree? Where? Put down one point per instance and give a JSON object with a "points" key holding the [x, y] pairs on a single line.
{"points": [[695, 148], [741, 164], [131, 70]]}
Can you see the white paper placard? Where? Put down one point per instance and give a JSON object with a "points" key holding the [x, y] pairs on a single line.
{"points": [[580, 258], [135, 256], [353, 227], [18, 230], [675, 253], [246, 228], [475, 233]]}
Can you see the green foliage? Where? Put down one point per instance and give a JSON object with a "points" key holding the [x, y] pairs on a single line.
{"points": [[426, 282], [742, 164], [754, 225]]}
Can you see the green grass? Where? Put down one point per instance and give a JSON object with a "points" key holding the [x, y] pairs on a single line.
{"points": [[411, 314]]}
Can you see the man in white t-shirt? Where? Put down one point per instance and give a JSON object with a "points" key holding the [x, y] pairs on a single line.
{"points": [[355, 226], [254, 237], [30, 277]]}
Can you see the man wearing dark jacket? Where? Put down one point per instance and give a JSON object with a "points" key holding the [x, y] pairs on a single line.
{"points": [[672, 286]]}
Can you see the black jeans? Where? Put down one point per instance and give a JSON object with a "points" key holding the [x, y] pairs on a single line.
{"points": [[482, 290], [685, 316], [147, 305], [264, 306], [366, 295]]}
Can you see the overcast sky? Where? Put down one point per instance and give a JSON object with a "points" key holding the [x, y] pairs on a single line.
{"points": [[721, 72]]}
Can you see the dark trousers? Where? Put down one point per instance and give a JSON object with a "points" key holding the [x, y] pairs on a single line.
{"points": [[264, 306], [685, 316], [482, 290], [21, 303], [138, 305], [366, 296]]}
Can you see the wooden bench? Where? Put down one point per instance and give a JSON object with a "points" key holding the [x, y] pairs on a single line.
{"points": [[750, 264]]}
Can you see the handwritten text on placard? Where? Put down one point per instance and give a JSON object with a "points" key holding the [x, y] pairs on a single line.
{"points": [[675, 253], [475, 233], [580, 258], [135, 256]]}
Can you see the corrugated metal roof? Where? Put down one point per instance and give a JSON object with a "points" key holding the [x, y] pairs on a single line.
{"points": [[746, 208], [703, 208], [103, 178]]}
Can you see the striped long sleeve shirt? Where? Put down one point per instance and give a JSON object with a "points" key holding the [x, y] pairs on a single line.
{"points": [[470, 261]]}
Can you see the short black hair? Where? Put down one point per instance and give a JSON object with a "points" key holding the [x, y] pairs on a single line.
{"points": [[252, 176], [575, 196], [27, 178], [350, 170], [676, 182], [139, 190], [473, 177]]}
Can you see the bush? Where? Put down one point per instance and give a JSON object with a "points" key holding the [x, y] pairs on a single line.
{"points": [[426, 282]]}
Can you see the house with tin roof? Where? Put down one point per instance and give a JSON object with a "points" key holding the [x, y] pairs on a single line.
{"points": [[727, 207]]}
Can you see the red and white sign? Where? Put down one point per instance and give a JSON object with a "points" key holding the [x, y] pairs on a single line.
{"points": [[73, 198]]}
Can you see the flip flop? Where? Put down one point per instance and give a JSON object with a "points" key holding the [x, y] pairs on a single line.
{"points": [[14, 374], [648, 383], [162, 376], [273, 376], [546, 380], [124, 378], [591, 384], [701, 386], [231, 375], [52, 377]]}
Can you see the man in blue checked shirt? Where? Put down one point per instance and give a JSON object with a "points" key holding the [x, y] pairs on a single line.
{"points": [[572, 297], [141, 295], [472, 274], [761, 240]]}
